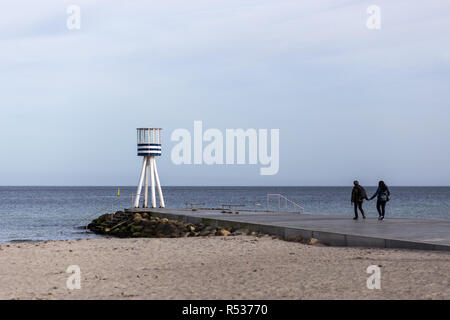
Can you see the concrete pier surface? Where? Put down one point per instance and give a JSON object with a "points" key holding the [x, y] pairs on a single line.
{"points": [[335, 230]]}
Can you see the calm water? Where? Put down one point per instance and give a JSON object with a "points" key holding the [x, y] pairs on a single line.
{"points": [[49, 213]]}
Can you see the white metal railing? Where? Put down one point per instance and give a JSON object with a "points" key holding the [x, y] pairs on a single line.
{"points": [[286, 202]]}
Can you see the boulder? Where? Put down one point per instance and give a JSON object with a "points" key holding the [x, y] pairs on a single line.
{"points": [[200, 226], [223, 233], [147, 222], [137, 218], [134, 229], [315, 242]]}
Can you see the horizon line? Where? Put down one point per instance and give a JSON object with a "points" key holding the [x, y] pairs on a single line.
{"points": [[201, 186]]}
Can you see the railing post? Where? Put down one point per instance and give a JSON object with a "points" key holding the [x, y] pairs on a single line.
{"points": [[286, 203]]}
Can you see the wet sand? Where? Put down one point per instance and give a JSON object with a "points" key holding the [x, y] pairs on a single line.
{"points": [[241, 267]]}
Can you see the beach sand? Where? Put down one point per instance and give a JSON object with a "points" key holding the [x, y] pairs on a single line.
{"points": [[241, 267]]}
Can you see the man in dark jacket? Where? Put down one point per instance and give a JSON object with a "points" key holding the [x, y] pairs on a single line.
{"points": [[358, 196]]}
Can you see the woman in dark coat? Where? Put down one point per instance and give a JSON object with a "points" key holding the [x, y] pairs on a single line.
{"points": [[383, 196]]}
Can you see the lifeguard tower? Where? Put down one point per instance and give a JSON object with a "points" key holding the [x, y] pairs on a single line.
{"points": [[149, 147]]}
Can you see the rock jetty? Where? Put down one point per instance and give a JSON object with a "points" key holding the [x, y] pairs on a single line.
{"points": [[143, 225]]}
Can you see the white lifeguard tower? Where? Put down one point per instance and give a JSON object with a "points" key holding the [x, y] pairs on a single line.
{"points": [[149, 147]]}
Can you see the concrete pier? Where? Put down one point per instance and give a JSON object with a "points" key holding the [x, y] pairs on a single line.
{"points": [[333, 230]]}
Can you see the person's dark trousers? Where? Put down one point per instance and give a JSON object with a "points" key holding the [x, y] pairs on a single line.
{"points": [[381, 207], [358, 205]]}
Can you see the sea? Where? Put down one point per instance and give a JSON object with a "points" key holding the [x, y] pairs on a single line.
{"points": [[62, 213]]}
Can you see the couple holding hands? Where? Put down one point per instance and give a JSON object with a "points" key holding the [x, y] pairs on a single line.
{"points": [[359, 194]]}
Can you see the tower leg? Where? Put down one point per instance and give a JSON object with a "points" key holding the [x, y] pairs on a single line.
{"points": [[147, 167], [152, 178], [141, 180], [158, 184]]}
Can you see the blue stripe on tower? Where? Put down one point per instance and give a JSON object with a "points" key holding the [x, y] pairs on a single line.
{"points": [[149, 149]]}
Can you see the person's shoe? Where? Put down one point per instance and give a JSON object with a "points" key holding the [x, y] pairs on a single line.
{"points": [[382, 217], [355, 218], [364, 216]]}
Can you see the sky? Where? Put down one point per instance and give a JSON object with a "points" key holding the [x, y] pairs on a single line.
{"points": [[349, 102]]}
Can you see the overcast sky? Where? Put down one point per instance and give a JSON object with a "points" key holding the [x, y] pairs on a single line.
{"points": [[349, 102]]}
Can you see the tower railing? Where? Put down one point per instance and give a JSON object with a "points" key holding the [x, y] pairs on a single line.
{"points": [[286, 201]]}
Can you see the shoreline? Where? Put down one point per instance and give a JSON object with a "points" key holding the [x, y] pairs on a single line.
{"points": [[238, 267]]}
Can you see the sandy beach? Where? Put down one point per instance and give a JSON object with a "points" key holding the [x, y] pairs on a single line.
{"points": [[241, 267]]}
